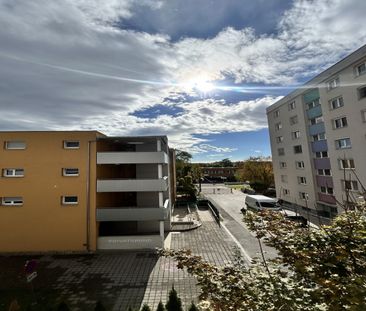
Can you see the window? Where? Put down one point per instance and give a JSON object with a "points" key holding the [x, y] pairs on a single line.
{"points": [[326, 190], [313, 104], [362, 92], [301, 180], [69, 200], [14, 145], [316, 120], [276, 113], [360, 69], [71, 144], [278, 126], [293, 120], [363, 115], [284, 178], [343, 143], [13, 172], [332, 84], [12, 201], [336, 103], [298, 149], [324, 172], [340, 122], [70, 172], [279, 139], [320, 136], [346, 164], [321, 154], [300, 164], [351, 185], [283, 165], [291, 106], [281, 151], [286, 191], [303, 196], [295, 135]]}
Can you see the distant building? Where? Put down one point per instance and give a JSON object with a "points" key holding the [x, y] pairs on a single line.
{"points": [[218, 173], [318, 139], [84, 191]]}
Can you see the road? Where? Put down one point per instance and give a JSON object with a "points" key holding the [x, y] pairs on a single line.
{"points": [[229, 202]]}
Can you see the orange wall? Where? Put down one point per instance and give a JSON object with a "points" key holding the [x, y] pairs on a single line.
{"points": [[42, 223]]}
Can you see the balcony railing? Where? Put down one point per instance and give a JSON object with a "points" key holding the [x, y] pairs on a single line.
{"points": [[327, 198], [320, 145], [316, 128], [322, 163], [133, 213], [314, 112], [132, 158], [132, 185], [324, 181]]}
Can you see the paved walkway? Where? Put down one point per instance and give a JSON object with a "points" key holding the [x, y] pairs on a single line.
{"points": [[125, 279], [229, 204]]}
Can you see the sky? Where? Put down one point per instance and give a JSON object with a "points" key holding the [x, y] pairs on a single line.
{"points": [[201, 72]]}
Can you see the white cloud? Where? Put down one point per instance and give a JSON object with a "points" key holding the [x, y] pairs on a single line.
{"points": [[64, 65]]}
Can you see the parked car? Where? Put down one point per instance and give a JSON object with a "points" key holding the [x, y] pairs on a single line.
{"points": [[261, 202]]}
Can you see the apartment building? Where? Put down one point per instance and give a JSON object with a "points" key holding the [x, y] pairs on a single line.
{"points": [[318, 139], [84, 191]]}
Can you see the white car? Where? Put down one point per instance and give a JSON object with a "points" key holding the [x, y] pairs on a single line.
{"points": [[261, 202]]}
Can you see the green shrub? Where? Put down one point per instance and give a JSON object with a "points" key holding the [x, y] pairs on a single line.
{"points": [[99, 307], [160, 307], [63, 307], [145, 307], [174, 303], [192, 307]]}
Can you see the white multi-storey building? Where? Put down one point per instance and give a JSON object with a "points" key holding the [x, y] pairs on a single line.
{"points": [[318, 139]]}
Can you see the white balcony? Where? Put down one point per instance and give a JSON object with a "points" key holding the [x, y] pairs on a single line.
{"points": [[132, 185], [159, 157], [133, 213]]}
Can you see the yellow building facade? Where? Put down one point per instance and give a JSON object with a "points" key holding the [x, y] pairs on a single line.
{"points": [[51, 195]]}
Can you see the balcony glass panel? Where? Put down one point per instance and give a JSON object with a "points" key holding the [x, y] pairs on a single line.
{"points": [[320, 145], [324, 181], [311, 96], [316, 129], [314, 112], [132, 214], [327, 198], [128, 185], [322, 163]]}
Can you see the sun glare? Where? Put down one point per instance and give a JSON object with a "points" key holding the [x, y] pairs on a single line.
{"points": [[200, 84]]}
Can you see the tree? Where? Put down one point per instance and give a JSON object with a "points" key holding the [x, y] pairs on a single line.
{"points": [[99, 307], [160, 307], [63, 307], [145, 307], [226, 163], [316, 269], [192, 307], [174, 303], [182, 163], [257, 172]]}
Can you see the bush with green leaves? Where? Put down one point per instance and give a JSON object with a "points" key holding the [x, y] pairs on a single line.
{"points": [[99, 307], [160, 307], [192, 307], [174, 302], [317, 269], [145, 307]]}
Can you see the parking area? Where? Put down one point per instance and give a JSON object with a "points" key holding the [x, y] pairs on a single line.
{"points": [[119, 280]]}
